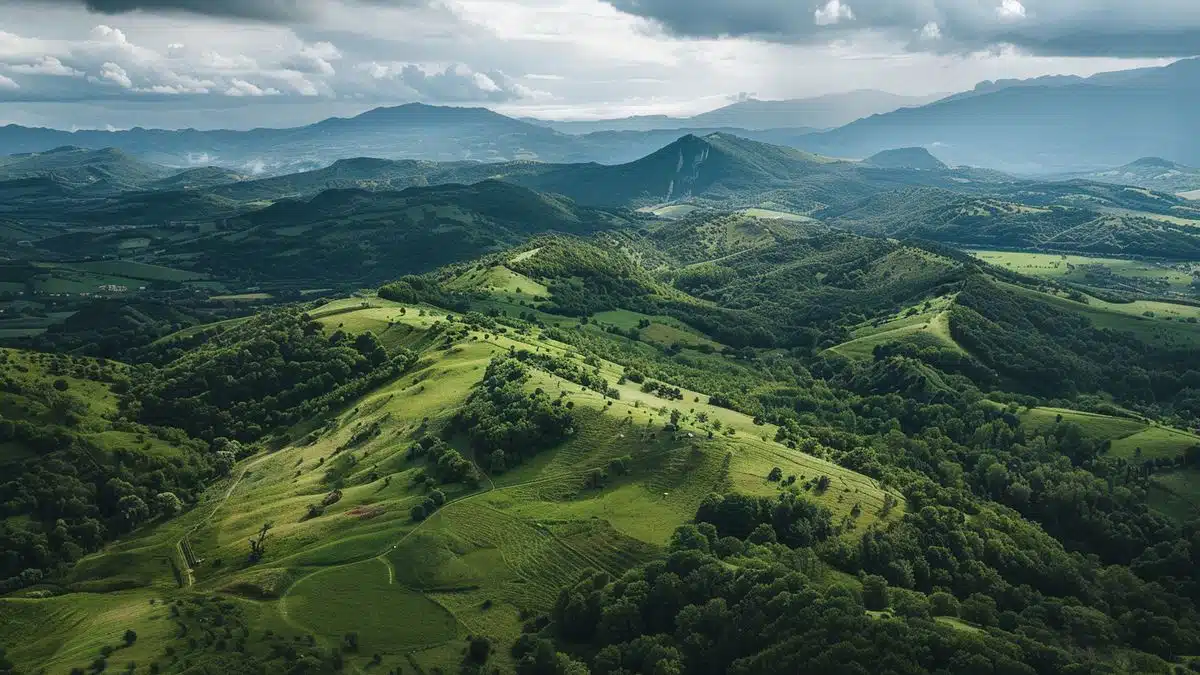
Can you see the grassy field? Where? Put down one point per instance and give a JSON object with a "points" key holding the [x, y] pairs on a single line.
{"points": [[1132, 439], [1100, 427], [1076, 269], [486, 559], [922, 325], [1176, 493], [1159, 323], [1191, 194], [663, 330], [242, 297], [777, 215], [502, 281]]}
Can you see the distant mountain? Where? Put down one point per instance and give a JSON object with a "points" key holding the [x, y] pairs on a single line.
{"points": [[805, 114], [905, 158], [1061, 126], [717, 166], [413, 131], [1154, 173], [96, 171]]}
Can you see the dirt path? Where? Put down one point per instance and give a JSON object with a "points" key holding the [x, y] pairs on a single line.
{"points": [[189, 576]]}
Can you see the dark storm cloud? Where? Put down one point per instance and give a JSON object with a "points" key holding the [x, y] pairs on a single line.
{"points": [[263, 10], [1121, 28], [280, 11]]}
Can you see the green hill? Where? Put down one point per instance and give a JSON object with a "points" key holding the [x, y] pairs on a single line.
{"points": [[905, 158], [95, 171]]}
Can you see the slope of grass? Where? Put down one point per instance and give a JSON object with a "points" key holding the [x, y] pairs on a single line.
{"points": [[488, 557]]}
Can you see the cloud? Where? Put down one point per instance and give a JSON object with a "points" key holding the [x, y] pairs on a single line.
{"points": [[1074, 28], [931, 31], [240, 87], [833, 12], [451, 84], [263, 10], [114, 73], [8, 83], [1010, 10], [46, 65]]}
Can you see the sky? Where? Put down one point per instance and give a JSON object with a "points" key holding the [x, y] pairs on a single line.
{"points": [[244, 63]]}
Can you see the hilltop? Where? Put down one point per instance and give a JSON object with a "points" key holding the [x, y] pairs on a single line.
{"points": [[905, 158], [106, 170]]}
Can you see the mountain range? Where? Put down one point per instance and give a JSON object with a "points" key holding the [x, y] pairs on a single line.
{"points": [[804, 114], [1044, 126]]}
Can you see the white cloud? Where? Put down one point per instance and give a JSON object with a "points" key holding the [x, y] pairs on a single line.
{"points": [[114, 73], [1011, 10], [46, 65], [240, 87], [833, 12], [8, 83], [931, 31]]}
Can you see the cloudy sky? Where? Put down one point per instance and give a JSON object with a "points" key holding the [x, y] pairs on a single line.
{"points": [[243, 63]]}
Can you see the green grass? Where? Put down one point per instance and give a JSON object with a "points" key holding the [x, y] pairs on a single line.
{"points": [[1075, 268], [242, 297], [1096, 426], [776, 215], [413, 590], [388, 617], [499, 280], [1154, 443], [1176, 493], [68, 631], [1158, 323], [136, 270], [919, 325]]}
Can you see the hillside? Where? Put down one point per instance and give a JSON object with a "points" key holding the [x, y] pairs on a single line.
{"points": [[905, 158], [354, 234], [1154, 173], [94, 171], [1050, 225], [484, 464]]}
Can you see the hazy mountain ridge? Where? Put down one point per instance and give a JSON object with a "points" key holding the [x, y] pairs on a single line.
{"points": [[1095, 122], [800, 114]]}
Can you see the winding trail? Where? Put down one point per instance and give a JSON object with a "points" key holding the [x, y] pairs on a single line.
{"points": [[189, 576]]}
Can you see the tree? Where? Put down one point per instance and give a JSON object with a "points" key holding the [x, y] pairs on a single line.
{"points": [[61, 385], [479, 649], [979, 608], [776, 475], [875, 592], [168, 504], [130, 637], [943, 604], [258, 546], [418, 513]]}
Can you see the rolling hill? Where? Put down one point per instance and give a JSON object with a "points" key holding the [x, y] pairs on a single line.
{"points": [[905, 158], [95, 172], [1154, 173]]}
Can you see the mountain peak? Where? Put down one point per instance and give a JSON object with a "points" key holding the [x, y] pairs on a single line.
{"points": [[1153, 163], [905, 158]]}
